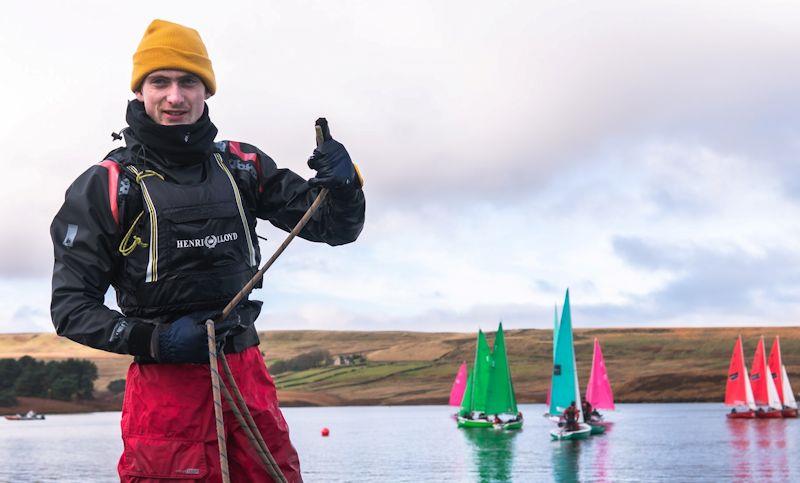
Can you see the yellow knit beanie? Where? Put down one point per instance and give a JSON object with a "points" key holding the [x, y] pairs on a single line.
{"points": [[167, 45]]}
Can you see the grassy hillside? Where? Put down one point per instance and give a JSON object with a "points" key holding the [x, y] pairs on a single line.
{"points": [[418, 367]]}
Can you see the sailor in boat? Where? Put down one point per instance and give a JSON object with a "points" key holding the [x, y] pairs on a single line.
{"points": [[587, 411], [571, 417], [590, 414]]}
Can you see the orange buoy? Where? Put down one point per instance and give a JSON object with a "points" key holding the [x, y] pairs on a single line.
{"points": [[325, 432]]}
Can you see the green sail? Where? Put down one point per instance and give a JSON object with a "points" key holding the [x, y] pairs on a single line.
{"points": [[564, 381], [480, 374], [501, 399], [466, 400]]}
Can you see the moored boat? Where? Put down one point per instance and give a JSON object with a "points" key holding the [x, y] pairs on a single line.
{"points": [[738, 392], [29, 416]]}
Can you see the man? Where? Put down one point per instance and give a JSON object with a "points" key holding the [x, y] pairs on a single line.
{"points": [[571, 417], [169, 221], [587, 411]]}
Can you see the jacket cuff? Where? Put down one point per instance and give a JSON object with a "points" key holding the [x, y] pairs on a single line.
{"points": [[139, 339]]}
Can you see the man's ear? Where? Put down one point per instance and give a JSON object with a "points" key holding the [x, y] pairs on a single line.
{"points": [[139, 96]]}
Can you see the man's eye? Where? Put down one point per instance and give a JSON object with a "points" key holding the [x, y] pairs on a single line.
{"points": [[159, 82], [189, 82]]}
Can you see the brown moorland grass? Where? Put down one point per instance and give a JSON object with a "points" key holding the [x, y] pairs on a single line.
{"points": [[644, 365]]}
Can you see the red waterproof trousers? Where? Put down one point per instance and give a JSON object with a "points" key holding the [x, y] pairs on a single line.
{"points": [[168, 424]]}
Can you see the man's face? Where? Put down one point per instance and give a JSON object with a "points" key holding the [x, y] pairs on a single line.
{"points": [[173, 97]]}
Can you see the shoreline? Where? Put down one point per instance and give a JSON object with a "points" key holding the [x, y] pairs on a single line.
{"points": [[645, 365], [52, 406]]}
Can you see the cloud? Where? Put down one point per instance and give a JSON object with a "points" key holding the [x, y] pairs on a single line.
{"points": [[509, 151], [723, 280]]}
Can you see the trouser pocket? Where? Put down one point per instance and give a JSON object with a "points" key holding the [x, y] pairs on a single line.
{"points": [[166, 459]]}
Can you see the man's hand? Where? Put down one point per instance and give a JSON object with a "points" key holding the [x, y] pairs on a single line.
{"points": [[330, 160], [186, 339]]}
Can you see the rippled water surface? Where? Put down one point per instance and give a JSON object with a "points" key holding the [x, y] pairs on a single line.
{"points": [[648, 442]]}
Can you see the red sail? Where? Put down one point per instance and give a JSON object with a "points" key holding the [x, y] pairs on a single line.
{"points": [[736, 388], [775, 364], [758, 375]]}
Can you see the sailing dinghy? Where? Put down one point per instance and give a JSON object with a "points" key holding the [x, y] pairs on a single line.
{"points": [[781, 381], [460, 382], [564, 389], [489, 400], [738, 393], [598, 390], [764, 391], [789, 403]]}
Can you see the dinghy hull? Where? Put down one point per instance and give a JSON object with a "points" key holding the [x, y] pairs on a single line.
{"points": [[742, 415], [771, 414], [563, 435], [474, 423], [597, 429]]}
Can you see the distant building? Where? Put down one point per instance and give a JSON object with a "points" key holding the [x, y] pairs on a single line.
{"points": [[349, 359]]}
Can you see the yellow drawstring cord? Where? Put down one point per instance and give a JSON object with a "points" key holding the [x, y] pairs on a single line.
{"points": [[126, 246], [140, 175]]}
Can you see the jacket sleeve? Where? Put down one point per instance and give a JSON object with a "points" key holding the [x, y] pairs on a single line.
{"points": [[284, 196], [85, 238]]}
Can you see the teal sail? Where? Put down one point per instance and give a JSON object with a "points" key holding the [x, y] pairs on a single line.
{"points": [[555, 329], [564, 382], [501, 398]]}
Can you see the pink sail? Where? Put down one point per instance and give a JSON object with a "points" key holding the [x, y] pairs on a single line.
{"points": [[457, 392], [598, 391]]}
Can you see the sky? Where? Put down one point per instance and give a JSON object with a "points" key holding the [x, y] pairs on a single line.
{"points": [[642, 154]]}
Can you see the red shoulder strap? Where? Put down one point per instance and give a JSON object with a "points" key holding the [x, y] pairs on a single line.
{"points": [[113, 186], [236, 148]]}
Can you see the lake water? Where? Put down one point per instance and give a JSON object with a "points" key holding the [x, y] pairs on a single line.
{"points": [[648, 442]]}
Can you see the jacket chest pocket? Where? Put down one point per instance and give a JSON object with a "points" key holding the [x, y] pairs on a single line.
{"points": [[201, 238]]}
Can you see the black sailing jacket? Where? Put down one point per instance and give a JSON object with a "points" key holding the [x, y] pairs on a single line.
{"points": [[101, 206]]}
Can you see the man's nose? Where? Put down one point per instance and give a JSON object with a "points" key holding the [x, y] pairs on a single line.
{"points": [[174, 94]]}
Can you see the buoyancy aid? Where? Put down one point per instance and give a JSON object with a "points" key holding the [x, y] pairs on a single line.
{"points": [[192, 247]]}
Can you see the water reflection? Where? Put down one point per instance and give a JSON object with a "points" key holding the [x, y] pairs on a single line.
{"points": [[600, 458], [740, 440], [493, 452], [565, 461], [771, 462]]}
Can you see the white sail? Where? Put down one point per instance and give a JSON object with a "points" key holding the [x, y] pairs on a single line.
{"points": [[748, 389], [773, 399], [578, 403], [788, 395]]}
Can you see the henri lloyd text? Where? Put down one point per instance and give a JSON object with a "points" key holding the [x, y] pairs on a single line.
{"points": [[209, 242]]}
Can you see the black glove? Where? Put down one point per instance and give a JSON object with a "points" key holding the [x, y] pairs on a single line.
{"points": [[186, 339], [330, 160]]}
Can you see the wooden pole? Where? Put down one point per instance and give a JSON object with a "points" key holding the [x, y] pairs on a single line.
{"points": [[220, 422]]}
